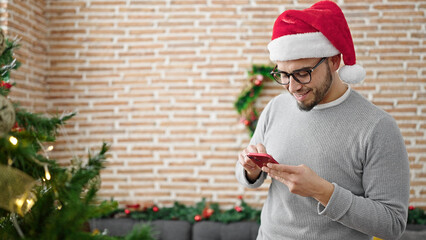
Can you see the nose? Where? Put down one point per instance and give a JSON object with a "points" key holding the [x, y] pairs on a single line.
{"points": [[293, 85]]}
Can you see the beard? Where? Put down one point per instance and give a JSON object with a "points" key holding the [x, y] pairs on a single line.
{"points": [[319, 93]]}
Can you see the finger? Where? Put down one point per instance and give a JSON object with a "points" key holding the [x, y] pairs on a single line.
{"points": [[280, 176], [242, 159], [246, 159], [283, 168], [260, 148], [252, 149], [274, 173], [246, 162]]}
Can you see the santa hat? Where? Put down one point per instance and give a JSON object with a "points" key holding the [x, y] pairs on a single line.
{"points": [[316, 32]]}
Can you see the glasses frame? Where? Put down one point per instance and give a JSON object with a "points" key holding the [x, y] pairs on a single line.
{"points": [[309, 71]]}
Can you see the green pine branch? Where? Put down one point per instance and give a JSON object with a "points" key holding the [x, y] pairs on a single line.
{"points": [[7, 60], [27, 155], [40, 127], [6, 56]]}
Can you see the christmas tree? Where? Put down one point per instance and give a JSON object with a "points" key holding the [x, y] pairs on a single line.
{"points": [[41, 199]]}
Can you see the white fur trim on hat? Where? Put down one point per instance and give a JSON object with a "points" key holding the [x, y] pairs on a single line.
{"points": [[298, 46], [352, 74]]}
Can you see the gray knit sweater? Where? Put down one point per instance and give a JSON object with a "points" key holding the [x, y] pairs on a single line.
{"points": [[352, 144]]}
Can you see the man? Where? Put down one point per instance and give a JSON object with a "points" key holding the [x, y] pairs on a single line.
{"points": [[343, 169]]}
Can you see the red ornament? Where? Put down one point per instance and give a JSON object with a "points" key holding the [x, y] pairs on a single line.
{"points": [[207, 212], [197, 218], [259, 80], [238, 209], [246, 122], [5, 85], [411, 208], [16, 128], [155, 209], [240, 197], [127, 211]]}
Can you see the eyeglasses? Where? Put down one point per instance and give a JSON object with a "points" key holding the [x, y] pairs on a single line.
{"points": [[302, 76]]}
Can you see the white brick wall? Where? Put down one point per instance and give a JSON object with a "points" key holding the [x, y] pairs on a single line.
{"points": [[157, 79]]}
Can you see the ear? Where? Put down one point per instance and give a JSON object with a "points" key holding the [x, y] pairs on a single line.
{"points": [[335, 62]]}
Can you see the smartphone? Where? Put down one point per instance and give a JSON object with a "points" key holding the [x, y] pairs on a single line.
{"points": [[261, 159]]}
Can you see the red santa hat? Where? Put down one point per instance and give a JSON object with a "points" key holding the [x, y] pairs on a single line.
{"points": [[316, 32]]}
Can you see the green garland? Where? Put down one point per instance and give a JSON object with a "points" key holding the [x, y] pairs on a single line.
{"points": [[245, 103], [202, 211], [416, 215]]}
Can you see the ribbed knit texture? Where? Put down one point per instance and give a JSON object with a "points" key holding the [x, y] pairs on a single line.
{"points": [[351, 143]]}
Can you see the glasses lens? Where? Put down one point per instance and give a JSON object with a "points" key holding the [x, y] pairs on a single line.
{"points": [[281, 78], [303, 76]]}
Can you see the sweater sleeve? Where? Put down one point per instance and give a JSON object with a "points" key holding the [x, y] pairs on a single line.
{"points": [[382, 211], [258, 137]]}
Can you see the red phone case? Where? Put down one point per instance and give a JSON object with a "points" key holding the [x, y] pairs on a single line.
{"points": [[261, 159]]}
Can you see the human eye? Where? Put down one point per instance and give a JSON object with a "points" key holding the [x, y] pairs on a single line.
{"points": [[301, 74], [281, 77]]}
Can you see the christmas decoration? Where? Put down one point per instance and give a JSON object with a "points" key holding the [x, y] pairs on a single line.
{"points": [[7, 63], [197, 218], [16, 128], [316, 32], [245, 103], [16, 188], [200, 212], [5, 85], [7, 115], [207, 212], [416, 215]]}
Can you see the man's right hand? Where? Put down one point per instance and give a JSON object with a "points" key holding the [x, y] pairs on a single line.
{"points": [[252, 170]]}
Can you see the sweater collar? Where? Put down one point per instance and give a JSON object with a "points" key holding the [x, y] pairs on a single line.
{"points": [[335, 102]]}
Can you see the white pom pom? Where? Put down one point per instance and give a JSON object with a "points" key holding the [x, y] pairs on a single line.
{"points": [[352, 74]]}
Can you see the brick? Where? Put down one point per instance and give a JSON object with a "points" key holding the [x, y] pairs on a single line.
{"points": [[189, 180], [175, 171], [179, 187], [220, 188], [152, 194], [393, 6]]}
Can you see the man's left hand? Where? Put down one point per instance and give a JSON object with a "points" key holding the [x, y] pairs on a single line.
{"points": [[301, 180]]}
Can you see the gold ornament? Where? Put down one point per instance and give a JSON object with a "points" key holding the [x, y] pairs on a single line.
{"points": [[7, 115], [16, 188]]}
